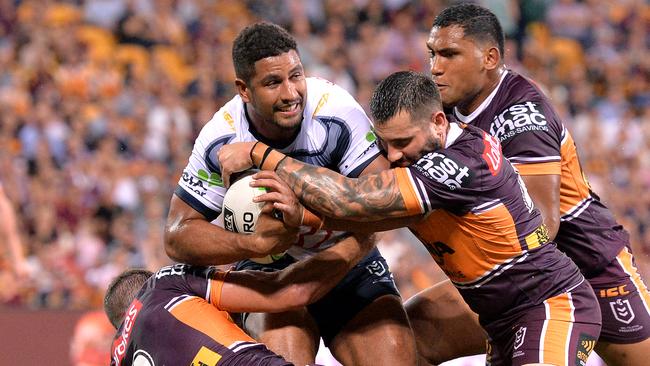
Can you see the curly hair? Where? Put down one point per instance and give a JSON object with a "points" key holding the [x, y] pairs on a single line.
{"points": [[258, 41]]}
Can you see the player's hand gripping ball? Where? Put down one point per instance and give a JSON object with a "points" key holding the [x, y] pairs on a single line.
{"points": [[240, 213]]}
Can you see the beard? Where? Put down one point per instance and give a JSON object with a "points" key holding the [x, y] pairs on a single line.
{"points": [[434, 144]]}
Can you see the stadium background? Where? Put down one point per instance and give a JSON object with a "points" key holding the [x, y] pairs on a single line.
{"points": [[101, 100]]}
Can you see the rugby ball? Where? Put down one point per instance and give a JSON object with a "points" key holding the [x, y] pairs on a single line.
{"points": [[240, 213]]}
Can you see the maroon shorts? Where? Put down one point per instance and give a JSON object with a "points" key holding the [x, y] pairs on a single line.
{"points": [[560, 331], [624, 301]]}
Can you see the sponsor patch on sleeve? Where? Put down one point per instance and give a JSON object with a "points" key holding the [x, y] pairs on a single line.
{"points": [[206, 357]]}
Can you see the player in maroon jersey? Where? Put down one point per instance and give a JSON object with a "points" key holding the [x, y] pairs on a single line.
{"points": [[454, 189], [179, 315], [466, 48]]}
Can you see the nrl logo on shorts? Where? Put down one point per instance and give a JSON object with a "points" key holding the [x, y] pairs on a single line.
{"points": [[519, 337], [622, 311], [376, 268]]}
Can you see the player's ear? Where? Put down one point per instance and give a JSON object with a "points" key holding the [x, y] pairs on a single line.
{"points": [[243, 90], [439, 121], [492, 58]]}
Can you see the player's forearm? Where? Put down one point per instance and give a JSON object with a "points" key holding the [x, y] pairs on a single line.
{"points": [[311, 279], [199, 242], [368, 227], [369, 198], [297, 285]]}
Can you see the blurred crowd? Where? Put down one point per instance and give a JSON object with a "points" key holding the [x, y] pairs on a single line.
{"points": [[101, 100]]}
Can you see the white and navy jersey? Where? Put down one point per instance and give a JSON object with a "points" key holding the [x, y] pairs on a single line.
{"points": [[335, 133]]}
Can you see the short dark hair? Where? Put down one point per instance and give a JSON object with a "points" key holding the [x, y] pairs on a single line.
{"points": [[258, 41], [408, 91], [122, 291], [477, 22]]}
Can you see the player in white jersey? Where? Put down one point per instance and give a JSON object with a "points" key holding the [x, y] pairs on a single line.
{"points": [[325, 139], [317, 122]]}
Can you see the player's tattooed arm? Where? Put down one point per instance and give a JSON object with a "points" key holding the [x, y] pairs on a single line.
{"points": [[369, 198], [372, 197]]}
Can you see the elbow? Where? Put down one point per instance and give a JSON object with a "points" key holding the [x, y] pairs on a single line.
{"points": [[298, 295], [172, 245]]}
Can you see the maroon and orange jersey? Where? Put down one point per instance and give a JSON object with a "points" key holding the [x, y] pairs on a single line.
{"points": [[482, 228], [537, 143], [175, 320]]}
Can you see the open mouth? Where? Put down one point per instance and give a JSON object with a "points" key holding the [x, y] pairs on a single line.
{"points": [[290, 110]]}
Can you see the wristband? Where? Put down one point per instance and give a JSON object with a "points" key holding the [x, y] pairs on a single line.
{"points": [[250, 153], [271, 159], [311, 219], [257, 152], [265, 157]]}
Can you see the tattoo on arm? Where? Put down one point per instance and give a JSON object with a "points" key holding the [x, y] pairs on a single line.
{"points": [[368, 198]]}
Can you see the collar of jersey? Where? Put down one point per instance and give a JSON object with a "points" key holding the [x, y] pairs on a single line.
{"points": [[259, 137], [483, 106], [453, 134]]}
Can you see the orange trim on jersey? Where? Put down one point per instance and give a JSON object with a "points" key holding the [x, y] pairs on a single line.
{"points": [[216, 284], [207, 319], [559, 324], [626, 261], [470, 247], [574, 187], [553, 167], [409, 194]]}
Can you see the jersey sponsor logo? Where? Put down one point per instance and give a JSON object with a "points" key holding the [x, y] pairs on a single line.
{"points": [[212, 178], [229, 220], [444, 170], [205, 357], [517, 119], [321, 102], [492, 153], [368, 149], [193, 184], [586, 344], [120, 344], [614, 291], [622, 310], [229, 120], [175, 269]]}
